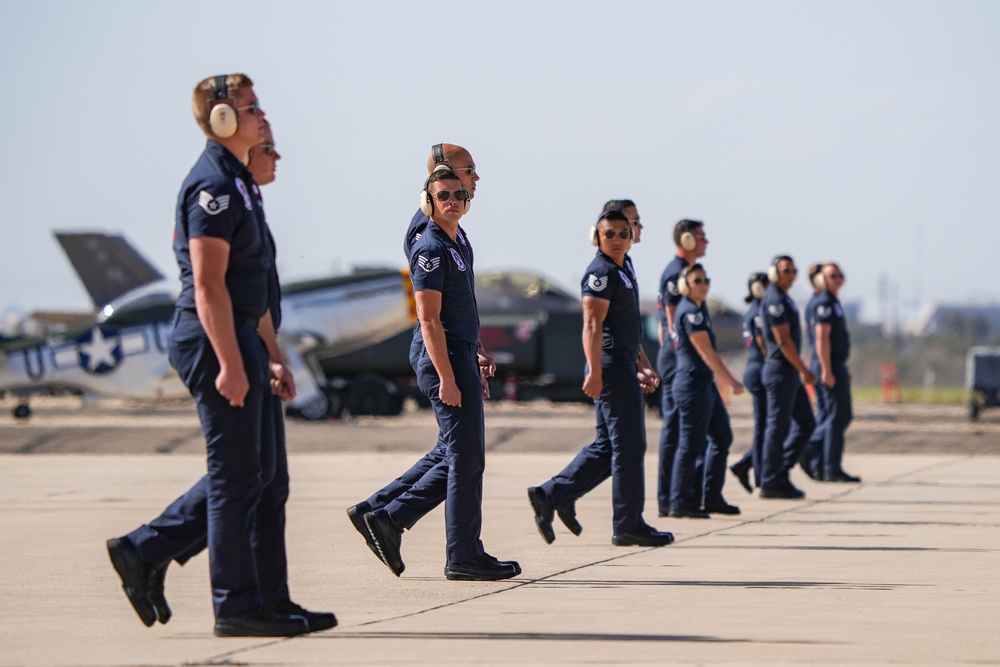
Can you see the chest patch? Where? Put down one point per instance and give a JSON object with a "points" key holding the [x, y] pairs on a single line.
{"points": [[242, 187], [458, 259], [597, 284], [628, 283]]}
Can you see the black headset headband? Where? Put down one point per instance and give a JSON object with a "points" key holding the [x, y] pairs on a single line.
{"points": [[780, 258], [221, 87], [437, 151]]}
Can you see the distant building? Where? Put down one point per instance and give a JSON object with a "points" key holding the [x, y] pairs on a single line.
{"points": [[979, 322]]}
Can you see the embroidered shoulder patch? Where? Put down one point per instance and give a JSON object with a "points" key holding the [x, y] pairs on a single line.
{"points": [[597, 284], [213, 205], [428, 264]]}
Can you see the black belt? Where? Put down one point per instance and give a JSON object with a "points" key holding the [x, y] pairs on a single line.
{"points": [[457, 345], [239, 319]]}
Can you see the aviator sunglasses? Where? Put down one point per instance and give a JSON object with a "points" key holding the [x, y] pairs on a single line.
{"points": [[701, 281], [622, 233], [254, 108], [444, 195], [267, 148]]}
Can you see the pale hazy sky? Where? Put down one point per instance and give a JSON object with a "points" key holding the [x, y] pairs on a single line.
{"points": [[865, 132]]}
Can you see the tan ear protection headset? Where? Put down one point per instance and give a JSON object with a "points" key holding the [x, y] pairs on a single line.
{"points": [[427, 199], [684, 234], [816, 275], [772, 271], [682, 282], [757, 287], [222, 117], [595, 237]]}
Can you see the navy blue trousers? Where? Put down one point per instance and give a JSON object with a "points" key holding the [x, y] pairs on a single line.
{"points": [[434, 488], [839, 412], [462, 435], [618, 450], [223, 504], [790, 422], [666, 365], [705, 431], [755, 386], [814, 450], [269, 531]]}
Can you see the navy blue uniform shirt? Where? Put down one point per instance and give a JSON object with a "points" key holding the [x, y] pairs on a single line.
{"points": [[810, 317], [631, 273], [669, 295], [273, 284], [690, 319], [621, 329], [437, 263], [215, 201], [751, 329], [828, 311], [778, 308], [417, 226]]}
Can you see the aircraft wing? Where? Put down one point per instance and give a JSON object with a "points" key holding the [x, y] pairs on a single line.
{"points": [[337, 315]]}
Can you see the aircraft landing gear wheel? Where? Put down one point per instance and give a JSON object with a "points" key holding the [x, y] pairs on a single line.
{"points": [[22, 411], [328, 405]]}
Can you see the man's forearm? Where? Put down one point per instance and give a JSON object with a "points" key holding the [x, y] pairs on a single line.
{"points": [[215, 310], [437, 349]]}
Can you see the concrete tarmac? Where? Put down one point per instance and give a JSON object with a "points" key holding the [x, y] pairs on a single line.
{"points": [[901, 569]]}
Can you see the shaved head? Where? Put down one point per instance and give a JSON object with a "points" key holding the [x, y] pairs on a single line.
{"points": [[452, 153]]}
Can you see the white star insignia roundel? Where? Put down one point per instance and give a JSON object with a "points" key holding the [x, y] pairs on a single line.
{"points": [[213, 205], [597, 284], [428, 264], [97, 352], [776, 310]]}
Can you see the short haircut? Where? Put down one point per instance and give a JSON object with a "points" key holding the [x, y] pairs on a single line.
{"points": [[614, 215], [697, 266], [618, 204], [442, 175], [685, 225], [204, 94]]}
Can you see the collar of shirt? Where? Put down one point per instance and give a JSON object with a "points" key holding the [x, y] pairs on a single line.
{"points": [[229, 161]]}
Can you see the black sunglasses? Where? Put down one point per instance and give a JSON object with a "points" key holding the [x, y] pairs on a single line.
{"points": [[622, 233], [444, 195], [699, 281]]}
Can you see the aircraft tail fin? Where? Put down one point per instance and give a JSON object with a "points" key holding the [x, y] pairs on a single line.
{"points": [[108, 265]]}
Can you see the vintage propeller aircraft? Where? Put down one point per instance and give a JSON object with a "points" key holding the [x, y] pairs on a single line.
{"points": [[122, 351]]}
